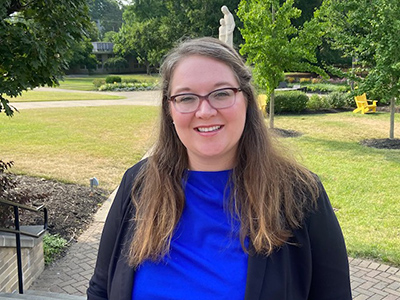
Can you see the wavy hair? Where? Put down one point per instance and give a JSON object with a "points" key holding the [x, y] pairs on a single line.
{"points": [[271, 191]]}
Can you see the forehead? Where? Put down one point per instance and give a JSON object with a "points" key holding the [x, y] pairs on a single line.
{"points": [[198, 71]]}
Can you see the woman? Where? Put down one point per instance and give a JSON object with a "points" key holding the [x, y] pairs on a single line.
{"points": [[218, 211]]}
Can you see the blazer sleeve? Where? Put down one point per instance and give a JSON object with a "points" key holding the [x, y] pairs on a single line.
{"points": [[99, 283], [330, 268]]}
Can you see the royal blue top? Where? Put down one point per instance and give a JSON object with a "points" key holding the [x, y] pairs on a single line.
{"points": [[206, 260]]}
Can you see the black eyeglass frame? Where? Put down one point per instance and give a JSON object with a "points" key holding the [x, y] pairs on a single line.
{"points": [[205, 97]]}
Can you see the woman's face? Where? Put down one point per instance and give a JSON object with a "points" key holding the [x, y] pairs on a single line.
{"points": [[210, 135]]}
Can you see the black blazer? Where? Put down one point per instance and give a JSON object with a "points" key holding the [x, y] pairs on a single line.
{"points": [[313, 266]]}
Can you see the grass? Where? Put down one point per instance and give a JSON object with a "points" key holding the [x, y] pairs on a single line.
{"points": [[35, 96], [363, 183], [75, 144], [85, 83]]}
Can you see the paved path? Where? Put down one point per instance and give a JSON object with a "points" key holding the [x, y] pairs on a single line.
{"points": [[71, 274], [132, 98]]}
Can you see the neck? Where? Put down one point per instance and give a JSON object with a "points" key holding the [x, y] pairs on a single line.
{"points": [[210, 164]]}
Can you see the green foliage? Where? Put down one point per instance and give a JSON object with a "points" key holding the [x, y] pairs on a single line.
{"points": [[113, 78], [151, 28], [145, 40], [317, 103], [326, 87], [107, 14], [307, 8], [53, 245], [339, 100], [368, 32], [98, 82], [131, 80], [80, 54], [35, 37], [116, 63], [292, 102], [136, 86], [109, 36], [273, 45]]}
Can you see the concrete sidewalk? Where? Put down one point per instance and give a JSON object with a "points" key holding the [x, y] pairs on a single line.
{"points": [[151, 98], [71, 274]]}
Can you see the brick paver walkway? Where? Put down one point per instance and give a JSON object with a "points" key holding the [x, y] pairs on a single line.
{"points": [[71, 274], [374, 281]]}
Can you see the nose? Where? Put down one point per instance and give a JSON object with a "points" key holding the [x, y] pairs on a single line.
{"points": [[205, 110]]}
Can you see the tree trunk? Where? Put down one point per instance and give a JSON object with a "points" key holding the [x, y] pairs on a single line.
{"points": [[392, 111], [148, 68], [271, 109]]}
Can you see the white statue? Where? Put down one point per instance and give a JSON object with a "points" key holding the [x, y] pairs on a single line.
{"points": [[222, 30], [228, 24]]}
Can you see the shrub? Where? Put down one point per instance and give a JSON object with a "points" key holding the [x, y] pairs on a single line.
{"points": [[130, 80], [290, 102], [291, 79], [52, 246], [98, 82], [316, 102], [305, 80], [326, 87], [140, 86], [112, 79], [316, 80], [339, 100]]}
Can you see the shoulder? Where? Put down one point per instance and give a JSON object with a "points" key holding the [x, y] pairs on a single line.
{"points": [[123, 195], [132, 172]]}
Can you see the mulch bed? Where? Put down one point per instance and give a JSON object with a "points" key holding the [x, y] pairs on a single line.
{"points": [[286, 133], [70, 206], [382, 143]]}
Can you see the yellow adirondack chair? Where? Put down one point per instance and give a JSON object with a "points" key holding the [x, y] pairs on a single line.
{"points": [[363, 105]]}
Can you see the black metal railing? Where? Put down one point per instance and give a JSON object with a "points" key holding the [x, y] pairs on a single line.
{"points": [[18, 232]]}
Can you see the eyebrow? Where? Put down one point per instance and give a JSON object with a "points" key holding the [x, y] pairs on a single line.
{"points": [[216, 86]]}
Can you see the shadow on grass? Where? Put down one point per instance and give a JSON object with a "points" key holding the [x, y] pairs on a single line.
{"points": [[356, 149]]}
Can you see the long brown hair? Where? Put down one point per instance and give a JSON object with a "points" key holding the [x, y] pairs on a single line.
{"points": [[271, 191]]}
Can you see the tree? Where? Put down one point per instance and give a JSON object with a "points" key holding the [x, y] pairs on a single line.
{"points": [[109, 36], [145, 40], [151, 27], [81, 54], [116, 63], [143, 33], [273, 45], [368, 31], [107, 14], [35, 36]]}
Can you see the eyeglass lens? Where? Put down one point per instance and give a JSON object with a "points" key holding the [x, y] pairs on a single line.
{"points": [[221, 98]]}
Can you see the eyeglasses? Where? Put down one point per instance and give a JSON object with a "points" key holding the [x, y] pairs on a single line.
{"points": [[218, 99]]}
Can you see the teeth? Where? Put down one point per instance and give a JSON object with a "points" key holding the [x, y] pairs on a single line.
{"points": [[208, 129]]}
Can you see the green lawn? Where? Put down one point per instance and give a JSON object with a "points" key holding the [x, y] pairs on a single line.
{"points": [[75, 144], [35, 96], [363, 183], [85, 83]]}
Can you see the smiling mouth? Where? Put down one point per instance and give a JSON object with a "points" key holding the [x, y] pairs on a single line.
{"points": [[208, 129]]}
